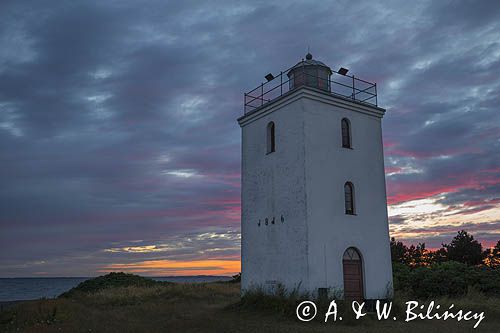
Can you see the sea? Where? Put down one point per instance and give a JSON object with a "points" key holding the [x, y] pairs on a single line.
{"points": [[20, 289]]}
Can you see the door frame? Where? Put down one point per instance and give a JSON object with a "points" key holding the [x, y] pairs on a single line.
{"points": [[362, 269]]}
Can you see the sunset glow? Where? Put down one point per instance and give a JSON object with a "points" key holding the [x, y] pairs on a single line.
{"points": [[175, 268]]}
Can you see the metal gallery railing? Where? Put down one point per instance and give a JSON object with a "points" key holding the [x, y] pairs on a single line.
{"points": [[346, 86]]}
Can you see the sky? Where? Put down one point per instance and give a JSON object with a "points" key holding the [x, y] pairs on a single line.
{"points": [[120, 150]]}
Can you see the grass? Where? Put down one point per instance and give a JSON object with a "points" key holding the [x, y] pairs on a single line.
{"points": [[212, 307]]}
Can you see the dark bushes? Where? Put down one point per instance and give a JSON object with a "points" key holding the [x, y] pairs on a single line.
{"points": [[445, 279]]}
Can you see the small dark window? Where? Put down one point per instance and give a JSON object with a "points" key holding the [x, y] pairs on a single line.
{"points": [[349, 198], [322, 293], [346, 133], [271, 138]]}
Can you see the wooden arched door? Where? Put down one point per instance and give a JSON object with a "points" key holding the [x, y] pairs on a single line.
{"points": [[353, 274]]}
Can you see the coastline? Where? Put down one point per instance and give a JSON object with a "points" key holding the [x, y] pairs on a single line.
{"points": [[18, 289], [7, 304]]}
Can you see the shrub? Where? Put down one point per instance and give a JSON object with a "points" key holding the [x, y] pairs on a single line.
{"points": [[445, 279], [449, 278], [111, 280], [236, 278], [401, 276]]}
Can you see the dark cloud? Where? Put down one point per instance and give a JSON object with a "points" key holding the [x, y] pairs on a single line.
{"points": [[117, 120], [396, 220]]}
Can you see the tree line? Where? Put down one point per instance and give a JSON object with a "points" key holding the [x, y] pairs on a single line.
{"points": [[463, 248], [456, 269]]}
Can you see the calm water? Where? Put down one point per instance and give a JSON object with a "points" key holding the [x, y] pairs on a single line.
{"points": [[14, 289]]}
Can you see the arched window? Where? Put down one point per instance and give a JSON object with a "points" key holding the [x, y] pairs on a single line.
{"points": [[346, 133], [271, 138], [349, 198]]}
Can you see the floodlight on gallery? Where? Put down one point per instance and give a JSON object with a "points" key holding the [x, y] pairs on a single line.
{"points": [[343, 71]]}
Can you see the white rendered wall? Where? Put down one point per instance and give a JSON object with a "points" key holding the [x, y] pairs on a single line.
{"points": [[304, 181], [328, 167], [273, 185]]}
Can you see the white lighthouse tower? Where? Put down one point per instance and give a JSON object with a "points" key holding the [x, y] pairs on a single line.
{"points": [[314, 211]]}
